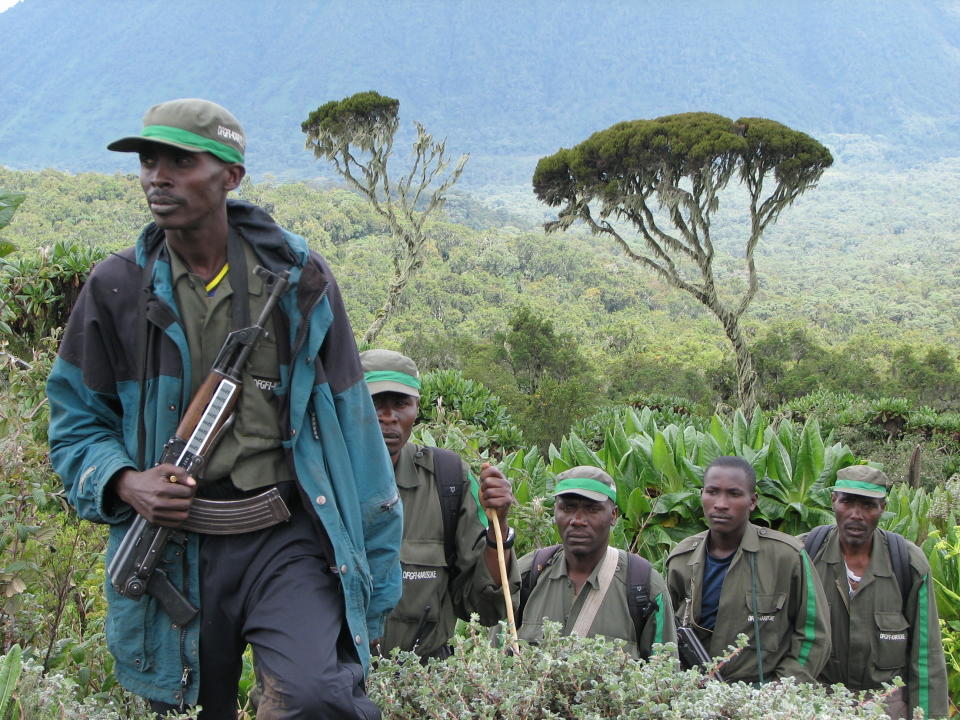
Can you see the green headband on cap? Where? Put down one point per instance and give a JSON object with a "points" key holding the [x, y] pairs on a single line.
{"points": [[858, 485], [166, 132], [568, 484], [392, 376]]}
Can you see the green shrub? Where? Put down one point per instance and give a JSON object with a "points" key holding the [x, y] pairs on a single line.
{"points": [[584, 679], [37, 292], [463, 415]]}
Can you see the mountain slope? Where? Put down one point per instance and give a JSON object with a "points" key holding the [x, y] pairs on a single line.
{"points": [[505, 81]]}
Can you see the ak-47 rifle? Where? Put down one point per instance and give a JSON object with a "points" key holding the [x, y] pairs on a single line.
{"points": [[692, 652], [133, 570]]}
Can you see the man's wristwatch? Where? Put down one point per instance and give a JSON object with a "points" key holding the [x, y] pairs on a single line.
{"points": [[507, 541]]}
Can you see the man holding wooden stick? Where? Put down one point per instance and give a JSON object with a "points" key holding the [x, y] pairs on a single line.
{"points": [[449, 548]]}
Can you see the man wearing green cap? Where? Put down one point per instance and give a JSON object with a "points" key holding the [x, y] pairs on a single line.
{"points": [[584, 584], [738, 578], [310, 573], [449, 556], [883, 612]]}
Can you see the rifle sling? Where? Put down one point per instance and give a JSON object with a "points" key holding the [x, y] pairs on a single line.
{"points": [[232, 517]]}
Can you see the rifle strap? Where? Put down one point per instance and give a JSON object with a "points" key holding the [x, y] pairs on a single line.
{"points": [[240, 301], [143, 338]]}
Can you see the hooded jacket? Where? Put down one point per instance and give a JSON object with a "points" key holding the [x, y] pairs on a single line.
{"points": [[329, 430]]}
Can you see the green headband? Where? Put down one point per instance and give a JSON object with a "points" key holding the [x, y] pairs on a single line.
{"points": [[568, 484], [166, 132], [393, 376], [858, 485]]}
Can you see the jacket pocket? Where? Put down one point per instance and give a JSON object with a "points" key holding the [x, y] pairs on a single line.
{"points": [[127, 625], [891, 640], [424, 565], [771, 614]]}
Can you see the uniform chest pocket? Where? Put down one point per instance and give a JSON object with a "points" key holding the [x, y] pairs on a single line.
{"points": [[891, 640], [771, 614], [258, 416], [424, 566]]}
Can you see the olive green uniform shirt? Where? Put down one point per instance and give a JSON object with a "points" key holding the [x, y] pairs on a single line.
{"points": [[553, 598], [433, 596], [249, 451], [874, 637], [792, 608]]}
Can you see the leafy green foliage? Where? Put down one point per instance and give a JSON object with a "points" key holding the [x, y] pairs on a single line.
{"points": [[38, 292], [10, 667], [9, 202], [449, 399], [664, 177], [356, 135], [364, 119], [659, 469], [568, 677]]}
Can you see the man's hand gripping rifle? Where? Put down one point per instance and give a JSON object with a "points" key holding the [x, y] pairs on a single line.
{"points": [[133, 569]]}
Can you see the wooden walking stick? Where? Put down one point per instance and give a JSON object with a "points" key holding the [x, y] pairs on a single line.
{"points": [[504, 578]]}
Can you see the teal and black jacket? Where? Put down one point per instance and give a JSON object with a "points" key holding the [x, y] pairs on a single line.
{"points": [[328, 424]]}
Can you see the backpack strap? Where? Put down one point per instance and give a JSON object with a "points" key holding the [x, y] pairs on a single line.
{"points": [[541, 558], [449, 479], [900, 560], [814, 540], [638, 592], [899, 556]]}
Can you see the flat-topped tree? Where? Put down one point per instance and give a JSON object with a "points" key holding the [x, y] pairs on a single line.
{"points": [[664, 177], [356, 135]]}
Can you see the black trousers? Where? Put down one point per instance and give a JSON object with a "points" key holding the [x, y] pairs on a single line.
{"points": [[274, 590]]}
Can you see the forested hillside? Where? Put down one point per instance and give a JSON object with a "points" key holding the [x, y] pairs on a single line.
{"points": [[858, 294], [505, 81]]}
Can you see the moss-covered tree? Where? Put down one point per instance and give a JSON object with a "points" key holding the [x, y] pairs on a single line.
{"points": [[356, 135], [664, 177]]}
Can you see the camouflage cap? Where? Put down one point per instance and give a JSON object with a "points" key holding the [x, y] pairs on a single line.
{"points": [[389, 371], [587, 481], [189, 124], [862, 480]]}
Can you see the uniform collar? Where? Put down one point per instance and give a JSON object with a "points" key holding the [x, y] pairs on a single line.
{"points": [[411, 457], [880, 564], [560, 563], [750, 542]]}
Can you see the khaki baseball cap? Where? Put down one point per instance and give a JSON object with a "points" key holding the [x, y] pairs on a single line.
{"points": [[189, 124], [389, 371], [587, 481], [862, 480]]}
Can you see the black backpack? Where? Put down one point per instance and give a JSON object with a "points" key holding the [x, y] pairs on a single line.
{"points": [[899, 556], [638, 586], [448, 475]]}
